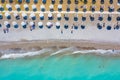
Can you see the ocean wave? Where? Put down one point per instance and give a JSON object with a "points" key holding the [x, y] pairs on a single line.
{"points": [[99, 51], [70, 50], [64, 50], [27, 54]]}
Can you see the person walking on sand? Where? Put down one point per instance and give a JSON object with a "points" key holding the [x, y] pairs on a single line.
{"points": [[4, 30], [7, 30], [103, 24], [61, 31]]}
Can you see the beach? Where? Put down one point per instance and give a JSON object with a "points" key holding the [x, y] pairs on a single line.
{"points": [[59, 39], [58, 44], [87, 35]]}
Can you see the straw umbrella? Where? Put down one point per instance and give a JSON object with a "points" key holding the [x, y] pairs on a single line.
{"points": [[83, 17], [7, 15], [16, 16], [59, 16], [34, 7], [2, 1], [15, 24], [44, 1], [109, 17], [101, 8], [9, 7], [24, 15], [51, 8], [102, 1], [40, 24], [68, 8], [61, 1], [66, 17], [35, 1], [32, 16], [49, 25], [42, 7], [20, 1], [1, 16], [7, 24], [41, 16], [27, 1], [10, 1], [17, 6], [26, 7], [1, 8], [59, 7], [69, 1], [24, 24], [50, 16], [100, 18], [53, 1], [57, 25]]}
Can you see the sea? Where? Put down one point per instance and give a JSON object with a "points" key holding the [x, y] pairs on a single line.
{"points": [[62, 64]]}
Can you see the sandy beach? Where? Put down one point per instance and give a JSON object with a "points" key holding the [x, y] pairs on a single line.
{"points": [[89, 38], [58, 44]]}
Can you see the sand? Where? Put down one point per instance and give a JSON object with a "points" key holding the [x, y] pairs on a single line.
{"points": [[90, 38], [58, 44]]}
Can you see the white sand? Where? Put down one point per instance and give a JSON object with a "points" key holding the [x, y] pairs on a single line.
{"points": [[90, 33]]}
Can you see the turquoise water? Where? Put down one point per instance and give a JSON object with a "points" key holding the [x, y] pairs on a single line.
{"points": [[62, 67]]}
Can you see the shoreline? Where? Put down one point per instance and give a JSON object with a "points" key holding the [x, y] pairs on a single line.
{"points": [[58, 44], [19, 49]]}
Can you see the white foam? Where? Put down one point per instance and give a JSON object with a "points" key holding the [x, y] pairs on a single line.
{"points": [[71, 50], [99, 51], [20, 55], [63, 50]]}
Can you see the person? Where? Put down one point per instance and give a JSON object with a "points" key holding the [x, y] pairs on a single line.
{"points": [[7, 30], [103, 24], [4, 30], [61, 31]]}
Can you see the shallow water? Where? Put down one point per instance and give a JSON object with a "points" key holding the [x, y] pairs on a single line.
{"points": [[61, 67]]}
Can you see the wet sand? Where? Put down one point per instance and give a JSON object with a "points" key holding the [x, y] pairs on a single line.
{"points": [[58, 44]]}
